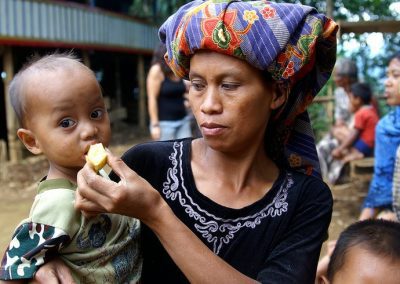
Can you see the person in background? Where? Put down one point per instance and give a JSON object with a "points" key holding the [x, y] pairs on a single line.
{"points": [[366, 252], [379, 199], [61, 109], [345, 74], [359, 143], [396, 185], [244, 203], [166, 100]]}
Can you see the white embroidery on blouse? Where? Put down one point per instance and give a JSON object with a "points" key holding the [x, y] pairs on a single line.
{"points": [[217, 231]]}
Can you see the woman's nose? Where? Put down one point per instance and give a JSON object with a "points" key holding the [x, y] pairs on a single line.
{"points": [[212, 101]]}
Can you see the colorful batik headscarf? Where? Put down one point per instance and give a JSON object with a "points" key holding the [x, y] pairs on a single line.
{"points": [[294, 43]]}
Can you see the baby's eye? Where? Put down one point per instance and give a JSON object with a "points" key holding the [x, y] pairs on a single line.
{"points": [[96, 114], [65, 123]]}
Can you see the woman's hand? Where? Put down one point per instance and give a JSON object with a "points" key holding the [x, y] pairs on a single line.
{"points": [[134, 196], [53, 272], [155, 132], [131, 196]]}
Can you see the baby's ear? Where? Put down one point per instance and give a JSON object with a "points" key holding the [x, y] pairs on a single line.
{"points": [[28, 138]]}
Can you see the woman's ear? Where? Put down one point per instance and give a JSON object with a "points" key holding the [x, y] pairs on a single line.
{"points": [[278, 97], [28, 138], [277, 100]]}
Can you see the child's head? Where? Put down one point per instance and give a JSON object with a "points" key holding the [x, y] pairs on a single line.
{"points": [[60, 107], [360, 94], [367, 252]]}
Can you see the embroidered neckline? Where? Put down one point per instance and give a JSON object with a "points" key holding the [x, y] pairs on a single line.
{"points": [[216, 230]]}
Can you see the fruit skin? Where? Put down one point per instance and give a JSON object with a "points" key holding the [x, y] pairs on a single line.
{"points": [[97, 156]]}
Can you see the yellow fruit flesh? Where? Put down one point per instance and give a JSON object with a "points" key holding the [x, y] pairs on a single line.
{"points": [[97, 156]]}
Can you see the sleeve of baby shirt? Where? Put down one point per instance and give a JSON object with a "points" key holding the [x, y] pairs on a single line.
{"points": [[39, 238]]}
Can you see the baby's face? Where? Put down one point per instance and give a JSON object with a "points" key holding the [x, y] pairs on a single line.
{"points": [[363, 267], [67, 114]]}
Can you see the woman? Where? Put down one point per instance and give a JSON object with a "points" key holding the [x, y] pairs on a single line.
{"points": [[245, 202], [387, 139], [166, 100]]}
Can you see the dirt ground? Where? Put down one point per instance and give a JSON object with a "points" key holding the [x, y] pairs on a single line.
{"points": [[18, 186]]}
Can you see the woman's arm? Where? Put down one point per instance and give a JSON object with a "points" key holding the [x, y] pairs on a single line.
{"points": [[153, 84], [134, 196]]}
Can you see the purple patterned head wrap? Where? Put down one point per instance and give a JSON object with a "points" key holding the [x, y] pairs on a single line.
{"points": [[292, 42]]}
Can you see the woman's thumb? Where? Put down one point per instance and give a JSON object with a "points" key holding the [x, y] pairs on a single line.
{"points": [[117, 165]]}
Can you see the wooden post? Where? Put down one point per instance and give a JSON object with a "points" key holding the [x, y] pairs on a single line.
{"points": [[142, 93], [329, 8], [86, 58], [118, 91], [330, 107], [14, 147]]}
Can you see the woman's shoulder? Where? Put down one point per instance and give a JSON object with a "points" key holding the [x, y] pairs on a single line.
{"points": [[311, 184], [156, 73], [309, 191]]}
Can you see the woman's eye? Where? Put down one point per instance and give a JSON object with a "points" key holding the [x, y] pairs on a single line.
{"points": [[394, 74], [96, 114], [65, 123], [230, 86], [197, 86]]}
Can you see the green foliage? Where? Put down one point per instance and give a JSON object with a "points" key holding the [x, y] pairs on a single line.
{"points": [[155, 11]]}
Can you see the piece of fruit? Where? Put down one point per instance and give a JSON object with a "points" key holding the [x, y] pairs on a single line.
{"points": [[97, 156]]}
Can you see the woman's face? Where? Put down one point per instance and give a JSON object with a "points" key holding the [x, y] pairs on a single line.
{"points": [[230, 100], [340, 79], [392, 84]]}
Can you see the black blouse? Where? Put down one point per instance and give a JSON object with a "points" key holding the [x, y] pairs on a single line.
{"points": [[277, 239]]}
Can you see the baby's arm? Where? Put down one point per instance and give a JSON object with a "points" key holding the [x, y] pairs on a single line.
{"points": [[13, 281], [32, 245]]}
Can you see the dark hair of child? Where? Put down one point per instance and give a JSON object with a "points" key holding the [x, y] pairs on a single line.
{"points": [[363, 91], [380, 237]]}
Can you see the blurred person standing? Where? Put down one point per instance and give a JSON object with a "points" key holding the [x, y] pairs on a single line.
{"points": [[166, 97]]}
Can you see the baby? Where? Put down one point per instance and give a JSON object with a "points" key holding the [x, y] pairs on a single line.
{"points": [[61, 110], [366, 252]]}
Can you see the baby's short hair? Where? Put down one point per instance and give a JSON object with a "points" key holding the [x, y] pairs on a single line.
{"points": [[380, 237], [51, 61]]}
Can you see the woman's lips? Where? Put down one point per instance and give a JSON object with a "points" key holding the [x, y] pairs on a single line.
{"points": [[212, 129]]}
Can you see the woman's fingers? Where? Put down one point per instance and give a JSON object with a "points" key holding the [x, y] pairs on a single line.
{"points": [[93, 192]]}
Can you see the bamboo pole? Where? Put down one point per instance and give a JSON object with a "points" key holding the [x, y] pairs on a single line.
{"points": [[331, 105], [14, 147]]}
